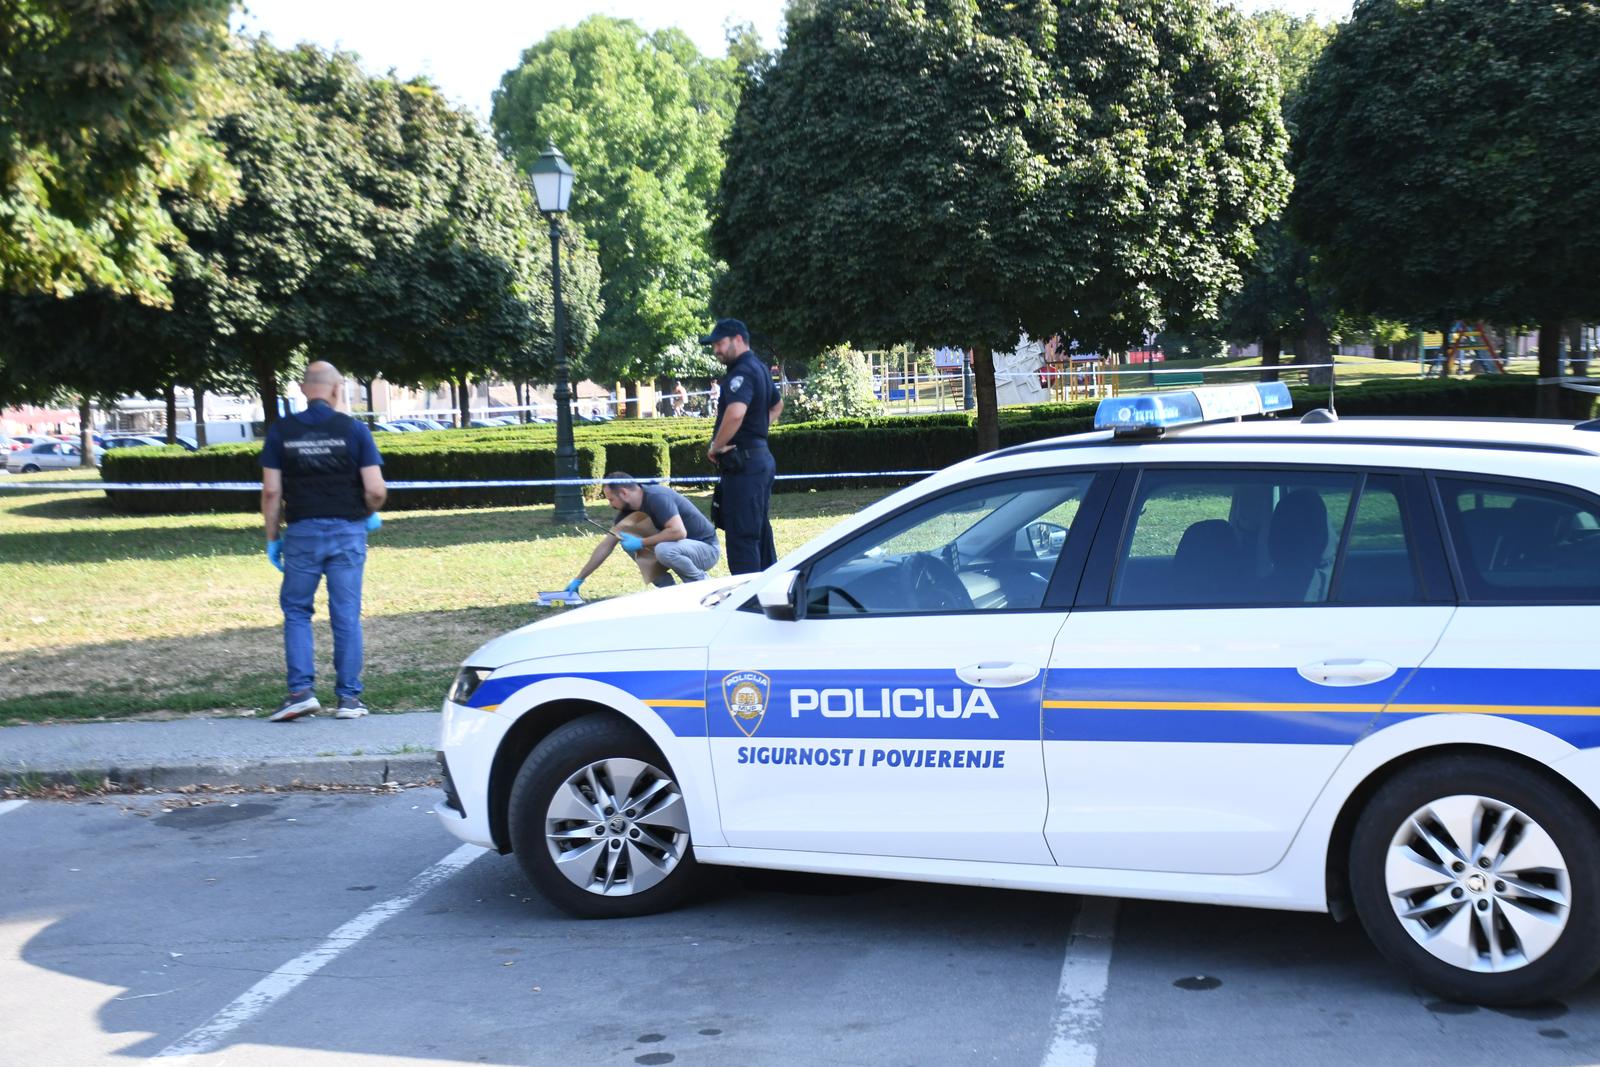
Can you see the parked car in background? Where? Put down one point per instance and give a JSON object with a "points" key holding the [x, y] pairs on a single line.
{"points": [[394, 427], [17, 442], [133, 440], [422, 424], [46, 455]]}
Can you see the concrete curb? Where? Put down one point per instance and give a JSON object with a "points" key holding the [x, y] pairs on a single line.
{"points": [[248, 774]]}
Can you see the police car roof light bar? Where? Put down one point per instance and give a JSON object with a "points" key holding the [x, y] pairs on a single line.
{"points": [[1152, 414]]}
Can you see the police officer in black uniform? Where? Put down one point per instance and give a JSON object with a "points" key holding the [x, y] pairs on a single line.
{"points": [[750, 403]]}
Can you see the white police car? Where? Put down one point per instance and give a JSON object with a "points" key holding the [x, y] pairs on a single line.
{"points": [[1328, 665]]}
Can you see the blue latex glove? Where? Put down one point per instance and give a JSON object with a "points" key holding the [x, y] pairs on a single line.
{"points": [[374, 522], [630, 543], [572, 586], [275, 554]]}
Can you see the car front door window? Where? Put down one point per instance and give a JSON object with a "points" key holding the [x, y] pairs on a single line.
{"points": [[991, 547]]}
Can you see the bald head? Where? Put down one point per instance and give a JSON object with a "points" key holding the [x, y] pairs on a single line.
{"points": [[321, 381]]}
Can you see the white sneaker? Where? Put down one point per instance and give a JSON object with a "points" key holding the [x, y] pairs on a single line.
{"points": [[350, 708], [295, 706]]}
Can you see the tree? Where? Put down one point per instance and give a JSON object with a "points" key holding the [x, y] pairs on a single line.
{"points": [[252, 282], [640, 116], [914, 171], [1279, 297], [1446, 165], [458, 282], [98, 118], [375, 226], [838, 387]]}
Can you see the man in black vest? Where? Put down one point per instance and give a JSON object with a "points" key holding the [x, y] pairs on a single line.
{"points": [[320, 470], [750, 403]]}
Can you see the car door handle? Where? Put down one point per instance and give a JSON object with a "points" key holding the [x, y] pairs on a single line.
{"points": [[999, 675], [1338, 672]]}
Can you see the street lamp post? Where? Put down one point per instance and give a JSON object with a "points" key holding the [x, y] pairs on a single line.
{"points": [[552, 187]]}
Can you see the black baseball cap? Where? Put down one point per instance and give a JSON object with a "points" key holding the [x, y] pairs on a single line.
{"points": [[726, 328]]}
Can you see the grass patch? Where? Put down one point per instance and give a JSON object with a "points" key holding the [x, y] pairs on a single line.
{"points": [[108, 615]]}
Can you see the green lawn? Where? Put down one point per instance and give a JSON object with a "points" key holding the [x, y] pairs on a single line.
{"points": [[105, 615]]}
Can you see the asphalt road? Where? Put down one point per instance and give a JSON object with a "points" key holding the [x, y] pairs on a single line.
{"points": [[350, 929]]}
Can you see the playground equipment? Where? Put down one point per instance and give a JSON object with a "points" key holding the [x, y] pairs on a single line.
{"points": [[1466, 347]]}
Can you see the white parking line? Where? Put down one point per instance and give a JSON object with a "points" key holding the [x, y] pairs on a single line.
{"points": [[1082, 992], [10, 805], [261, 996]]}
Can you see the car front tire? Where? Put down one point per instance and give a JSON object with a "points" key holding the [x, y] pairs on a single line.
{"points": [[30, 468], [1481, 879], [598, 823]]}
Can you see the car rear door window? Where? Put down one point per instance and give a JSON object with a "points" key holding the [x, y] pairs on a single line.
{"points": [[1516, 543], [1219, 537], [1379, 563]]}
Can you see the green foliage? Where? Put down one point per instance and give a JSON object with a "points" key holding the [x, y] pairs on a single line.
{"points": [[1279, 294], [930, 173], [640, 116], [1446, 159], [689, 358], [839, 386], [375, 226], [97, 120]]}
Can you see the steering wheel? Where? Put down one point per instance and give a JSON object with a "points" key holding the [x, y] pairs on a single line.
{"points": [[929, 584]]}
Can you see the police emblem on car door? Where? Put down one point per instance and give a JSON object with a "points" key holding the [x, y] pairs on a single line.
{"points": [[747, 693]]}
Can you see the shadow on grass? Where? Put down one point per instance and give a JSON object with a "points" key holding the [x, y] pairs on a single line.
{"points": [[199, 536], [410, 661]]}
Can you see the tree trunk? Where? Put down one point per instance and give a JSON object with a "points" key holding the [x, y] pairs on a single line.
{"points": [[1555, 402], [372, 416], [170, 394], [1314, 348], [466, 401], [519, 391], [199, 415], [630, 409], [85, 434], [266, 376], [988, 412], [1446, 360], [1271, 355], [1549, 395]]}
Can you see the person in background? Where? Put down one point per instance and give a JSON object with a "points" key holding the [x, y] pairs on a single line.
{"points": [[320, 471], [660, 528]]}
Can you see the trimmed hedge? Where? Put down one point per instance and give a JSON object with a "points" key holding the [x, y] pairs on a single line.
{"points": [[660, 449]]}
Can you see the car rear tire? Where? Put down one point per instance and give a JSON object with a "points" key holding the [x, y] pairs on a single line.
{"points": [[30, 468], [1481, 880], [598, 823]]}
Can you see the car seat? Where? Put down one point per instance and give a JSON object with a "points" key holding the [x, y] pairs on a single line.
{"points": [[1300, 544], [1208, 566]]}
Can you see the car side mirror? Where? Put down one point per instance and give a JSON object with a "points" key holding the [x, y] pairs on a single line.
{"points": [[780, 596], [1044, 539]]}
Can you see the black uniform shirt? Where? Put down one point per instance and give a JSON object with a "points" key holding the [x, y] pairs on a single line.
{"points": [[748, 382]]}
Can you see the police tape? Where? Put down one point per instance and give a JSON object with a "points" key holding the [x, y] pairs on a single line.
{"points": [[509, 483], [1577, 385]]}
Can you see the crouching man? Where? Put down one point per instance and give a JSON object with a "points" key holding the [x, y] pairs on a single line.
{"points": [[660, 528]]}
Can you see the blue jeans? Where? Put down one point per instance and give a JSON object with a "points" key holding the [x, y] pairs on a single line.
{"points": [[312, 548]]}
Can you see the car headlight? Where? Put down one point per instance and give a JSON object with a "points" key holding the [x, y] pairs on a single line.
{"points": [[466, 683]]}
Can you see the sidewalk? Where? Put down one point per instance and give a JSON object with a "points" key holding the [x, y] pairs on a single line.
{"points": [[234, 751]]}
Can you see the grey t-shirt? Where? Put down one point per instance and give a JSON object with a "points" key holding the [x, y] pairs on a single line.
{"points": [[661, 503]]}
